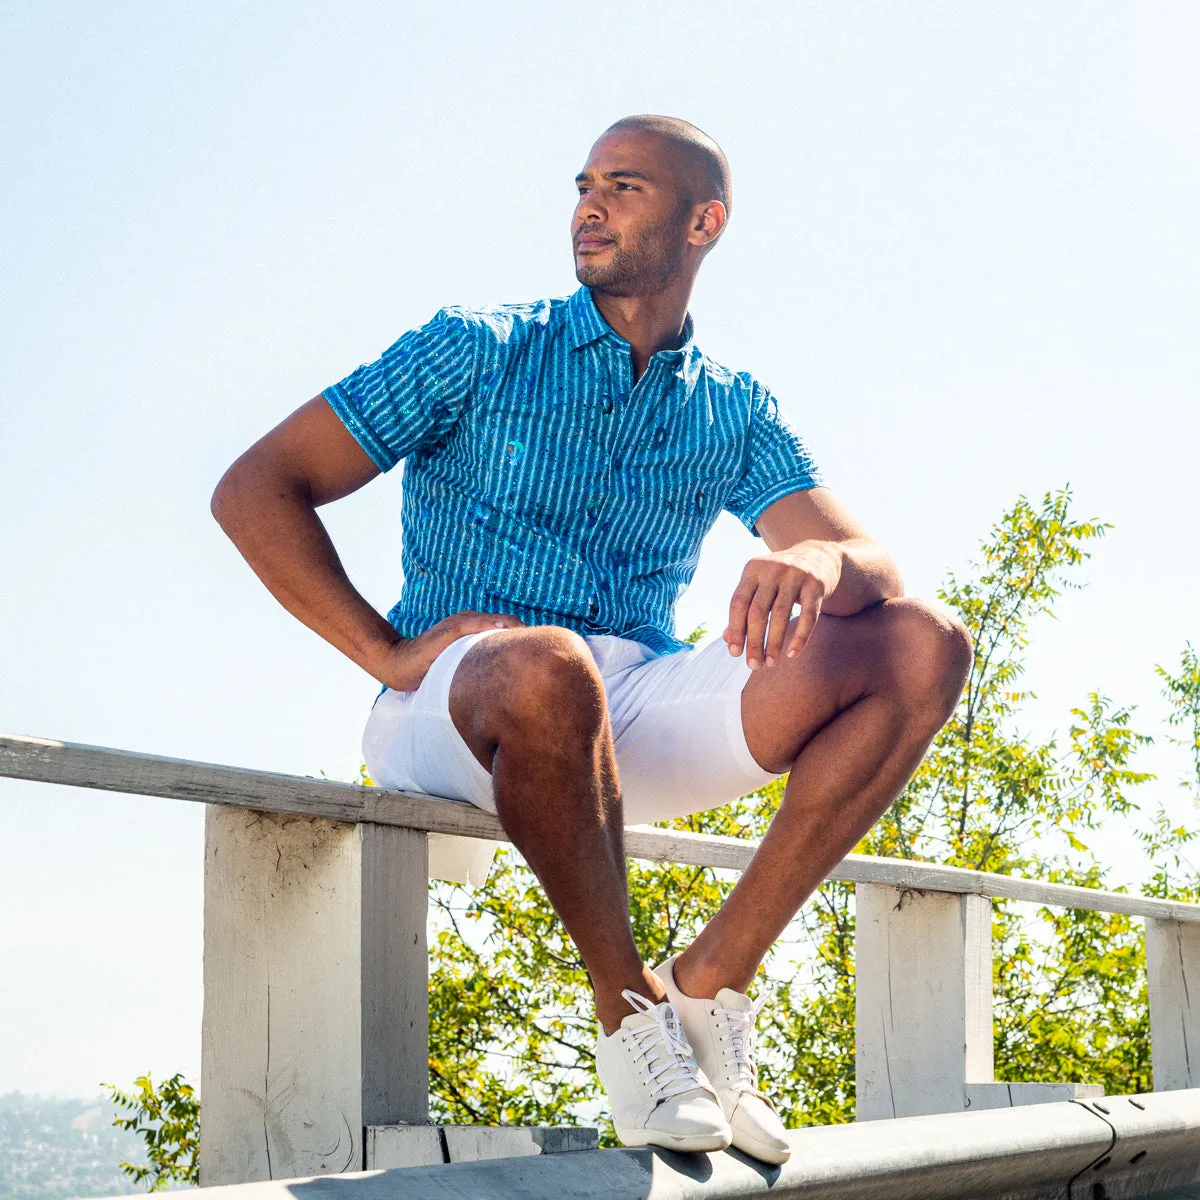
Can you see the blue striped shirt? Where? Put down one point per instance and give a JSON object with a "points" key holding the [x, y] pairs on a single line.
{"points": [[539, 480]]}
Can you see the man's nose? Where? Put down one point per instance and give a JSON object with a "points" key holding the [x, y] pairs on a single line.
{"points": [[589, 208]]}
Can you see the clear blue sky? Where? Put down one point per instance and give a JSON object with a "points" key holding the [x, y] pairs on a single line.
{"points": [[964, 253]]}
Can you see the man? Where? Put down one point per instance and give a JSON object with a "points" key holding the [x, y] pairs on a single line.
{"points": [[564, 460]]}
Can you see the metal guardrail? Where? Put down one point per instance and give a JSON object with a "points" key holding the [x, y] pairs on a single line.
{"points": [[1120, 1148], [316, 997]]}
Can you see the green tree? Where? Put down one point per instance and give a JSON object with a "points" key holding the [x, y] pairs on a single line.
{"points": [[1183, 692], [1174, 875], [167, 1117]]}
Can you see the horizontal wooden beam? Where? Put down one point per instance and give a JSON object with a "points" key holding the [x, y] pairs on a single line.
{"points": [[982, 1096], [74, 765], [182, 779]]}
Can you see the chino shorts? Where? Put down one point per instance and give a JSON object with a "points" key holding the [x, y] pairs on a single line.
{"points": [[676, 722]]}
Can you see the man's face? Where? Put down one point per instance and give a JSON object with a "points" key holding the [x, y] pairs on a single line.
{"points": [[631, 221]]}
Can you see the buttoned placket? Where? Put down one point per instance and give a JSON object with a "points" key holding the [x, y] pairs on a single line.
{"points": [[626, 407]]}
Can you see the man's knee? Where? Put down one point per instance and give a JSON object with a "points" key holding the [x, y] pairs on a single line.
{"points": [[541, 678], [929, 654]]}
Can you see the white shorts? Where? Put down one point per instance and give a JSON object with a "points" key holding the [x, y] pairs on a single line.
{"points": [[676, 722]]}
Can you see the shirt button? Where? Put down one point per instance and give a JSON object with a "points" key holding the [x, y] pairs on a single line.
{"points": [[606, 404]]}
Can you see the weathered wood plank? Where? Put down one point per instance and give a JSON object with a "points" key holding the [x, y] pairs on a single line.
{"points": [[234, 1061], [1173, 975], [1013, 1095], [315, 991], [923, 1000], [265, 791], [393, 1146], [394, 957], [473, 1143], [932, 877], [281, 1029], [75, 765]]}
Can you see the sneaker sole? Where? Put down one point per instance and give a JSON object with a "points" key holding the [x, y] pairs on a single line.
{"points": [[672, 1141], [761, 1151]]}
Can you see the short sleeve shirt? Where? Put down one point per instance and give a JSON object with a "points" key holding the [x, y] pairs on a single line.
{"points": [[541, 480]]}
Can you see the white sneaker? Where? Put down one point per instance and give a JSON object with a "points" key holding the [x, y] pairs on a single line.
{"points": [[659, 1096], [721, 1033]]}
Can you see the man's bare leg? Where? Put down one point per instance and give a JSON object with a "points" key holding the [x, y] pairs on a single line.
{"points": [[531, 706], [851, 718]]}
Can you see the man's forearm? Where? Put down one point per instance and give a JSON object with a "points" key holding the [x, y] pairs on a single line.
{"points": [[275, 526], [868, 575]]}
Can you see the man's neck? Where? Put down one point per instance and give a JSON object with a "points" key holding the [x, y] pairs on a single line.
{"points": [[648, 323]]}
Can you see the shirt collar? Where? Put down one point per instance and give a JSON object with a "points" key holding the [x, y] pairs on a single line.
{"points": [[585, 325], [584, 322]]}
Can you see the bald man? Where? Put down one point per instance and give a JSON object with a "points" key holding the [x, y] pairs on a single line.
{"points": [[564, 460]]}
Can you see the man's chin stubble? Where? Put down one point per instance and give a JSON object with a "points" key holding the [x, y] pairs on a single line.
{"points": [[612, 283], [592, 275]]}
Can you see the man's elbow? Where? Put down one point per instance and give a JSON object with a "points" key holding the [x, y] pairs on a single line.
{"points": [[234, 496], [224, 502], [253, 492]]}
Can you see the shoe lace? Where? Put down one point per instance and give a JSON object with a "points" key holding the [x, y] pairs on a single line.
{"points": [[664, 1048], [739, 1064]]}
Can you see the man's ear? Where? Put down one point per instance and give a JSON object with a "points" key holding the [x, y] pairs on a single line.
{"points": [[708, 224]]}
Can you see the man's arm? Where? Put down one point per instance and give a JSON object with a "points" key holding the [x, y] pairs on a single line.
{"points": [[267, 501], [821, 558]]}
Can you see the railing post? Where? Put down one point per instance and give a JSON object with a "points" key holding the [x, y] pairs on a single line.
{"points": [[315, 992], [923, 978], [1173, 976]]}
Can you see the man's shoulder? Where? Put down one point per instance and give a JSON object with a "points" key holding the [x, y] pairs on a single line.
{"points": [[727, 378], [507, 323]]}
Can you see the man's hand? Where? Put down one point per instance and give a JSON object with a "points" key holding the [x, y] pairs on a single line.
{"points": [[771, 585], [407, 661]]}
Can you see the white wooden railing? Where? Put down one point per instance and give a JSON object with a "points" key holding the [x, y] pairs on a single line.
{"points": [[315, 1027]]}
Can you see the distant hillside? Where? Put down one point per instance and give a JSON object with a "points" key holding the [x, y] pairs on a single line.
{"points": [[58, 1149]]}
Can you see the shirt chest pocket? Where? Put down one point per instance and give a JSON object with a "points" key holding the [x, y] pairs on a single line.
{"points": [[526, 447]]}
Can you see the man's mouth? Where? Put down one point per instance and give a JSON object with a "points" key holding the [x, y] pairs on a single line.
{"points": [[592, 241]]}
